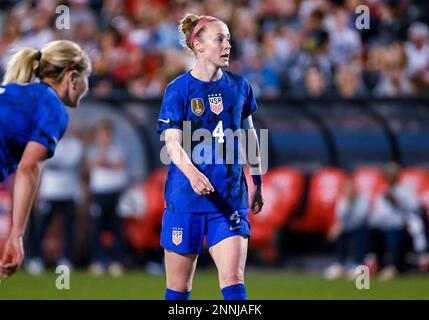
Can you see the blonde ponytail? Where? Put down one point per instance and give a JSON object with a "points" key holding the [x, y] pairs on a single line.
{"points": [[54, 60], [20, 67]]}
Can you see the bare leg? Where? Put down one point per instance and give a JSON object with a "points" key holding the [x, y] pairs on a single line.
{"points": [[180, 269], [230, 256]]}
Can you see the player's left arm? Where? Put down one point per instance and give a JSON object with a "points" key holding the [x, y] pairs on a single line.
{"points": [[254, 166]]}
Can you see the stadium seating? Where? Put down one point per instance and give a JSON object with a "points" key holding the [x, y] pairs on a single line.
{"points": [[325, 190], [369, 180], [283, 189], [417, 178]]}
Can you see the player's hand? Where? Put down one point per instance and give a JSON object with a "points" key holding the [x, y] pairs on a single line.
{"points": [[257, 200], [13, 255], [201, 184]]}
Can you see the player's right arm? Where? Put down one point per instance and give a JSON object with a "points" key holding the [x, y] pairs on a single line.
{"points": [[199, 182], [170, 121], [27, 179]]}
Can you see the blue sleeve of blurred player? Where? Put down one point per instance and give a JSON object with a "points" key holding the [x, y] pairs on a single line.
{"points": [[172, 114], [49, 124], [250, 105]]}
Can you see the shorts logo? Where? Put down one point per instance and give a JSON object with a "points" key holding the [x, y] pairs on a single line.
{"points": [[216, 104], [197, 106], [235, 220], [177, 236]]}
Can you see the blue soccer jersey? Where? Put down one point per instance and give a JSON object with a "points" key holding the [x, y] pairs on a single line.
{"points": [[28, 112], [217, 106]]}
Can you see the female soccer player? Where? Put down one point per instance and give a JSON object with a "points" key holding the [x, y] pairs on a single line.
{"points": [[206, 198], [32, 121]]}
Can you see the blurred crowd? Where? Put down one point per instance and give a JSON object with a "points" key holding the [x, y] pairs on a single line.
{"points": [[84, 174], [386, 231], [285, 48]]}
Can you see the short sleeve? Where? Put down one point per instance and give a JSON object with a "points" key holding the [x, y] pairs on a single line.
{"points": [[171, 115], [250, 105], [49, 124]]}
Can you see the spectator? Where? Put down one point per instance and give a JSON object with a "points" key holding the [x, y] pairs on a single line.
{"points": [[417, 48], [261, 76], [80, 11], [345, 42], [58, 194], [39, 27], [348, 81], [307, 7], [373, 66], [11, 33], [395, 211], [315, 84], [314, 53], [245, 33], [108, 177], [291, 34], [393, 81], [349, 231], [110, 10], [275, 13]]}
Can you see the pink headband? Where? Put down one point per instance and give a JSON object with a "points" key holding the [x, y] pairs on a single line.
{"points": [[201, 23], [75, 64]]}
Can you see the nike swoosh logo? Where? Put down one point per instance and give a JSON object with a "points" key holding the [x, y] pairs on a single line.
{"points": [[165, 121], [231, 228]]}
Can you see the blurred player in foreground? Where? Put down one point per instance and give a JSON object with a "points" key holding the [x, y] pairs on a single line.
{"points": [[205, 198], [33, 119]]}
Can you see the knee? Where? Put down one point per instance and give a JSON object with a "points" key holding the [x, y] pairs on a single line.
{"points": [[231, 278], [179, 285]]}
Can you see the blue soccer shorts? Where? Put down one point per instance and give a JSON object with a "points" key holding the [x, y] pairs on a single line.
{"points": [[183, 232]]}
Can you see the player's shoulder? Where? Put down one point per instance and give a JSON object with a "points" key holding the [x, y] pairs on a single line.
{"points": [[30, 93], [237, 80], [25, 89], [17, 87], [235, 77], [179, 82]]}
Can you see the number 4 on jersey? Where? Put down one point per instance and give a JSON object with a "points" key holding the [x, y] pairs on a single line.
{"points": [[218, 132]]}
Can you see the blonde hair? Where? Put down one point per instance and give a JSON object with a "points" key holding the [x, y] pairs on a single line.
{"points": [[52, 61], [186, 27]]}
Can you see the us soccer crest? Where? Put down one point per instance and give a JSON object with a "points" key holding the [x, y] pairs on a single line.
{"points": [[216, 104], [177, 236], [197, 106]]}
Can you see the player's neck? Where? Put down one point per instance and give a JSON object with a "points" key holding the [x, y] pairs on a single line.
{"points": [[57, 88], [206, 72]]}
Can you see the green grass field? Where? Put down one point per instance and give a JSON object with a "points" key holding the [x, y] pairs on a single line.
{"points": [[261, 285]]}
